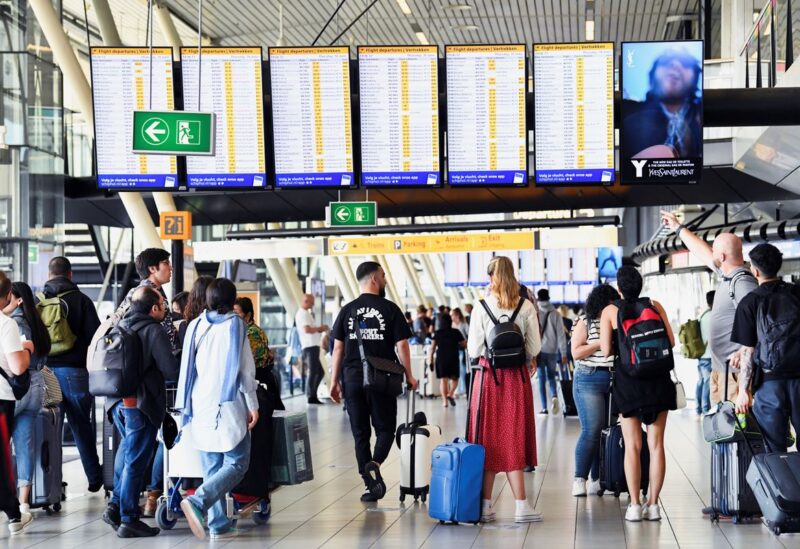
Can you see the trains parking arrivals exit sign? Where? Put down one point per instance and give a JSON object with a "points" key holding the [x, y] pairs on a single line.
{"points": [[173, 132]]}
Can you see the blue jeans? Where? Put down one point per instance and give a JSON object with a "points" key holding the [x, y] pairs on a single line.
{"points": [[133, 456], [590, 388], [25, 413], [547, 364], [157, 475], [703, 390], [462, 373], [223, 471], [776, 403], [77, 405]]}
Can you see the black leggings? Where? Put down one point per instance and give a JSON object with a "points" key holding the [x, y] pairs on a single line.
{"points": [[9, 503]]}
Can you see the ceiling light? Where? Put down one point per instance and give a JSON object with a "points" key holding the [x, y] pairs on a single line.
{"points": [[422, 38], [465, 27], [589, 30], [458, 7], [404, 7]]}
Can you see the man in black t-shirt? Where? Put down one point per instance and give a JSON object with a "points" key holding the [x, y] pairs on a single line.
{"points": [[385, 334], [776, 387]]}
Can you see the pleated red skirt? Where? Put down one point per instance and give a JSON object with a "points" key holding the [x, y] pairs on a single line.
{"points": [[507, 422]]}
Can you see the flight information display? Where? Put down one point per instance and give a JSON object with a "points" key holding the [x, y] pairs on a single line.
{"points": [[584, 265], [478, 265], [121, 85], [311, 116], [232, 90], [574, 106], [486, 132], [531, 270], [399, 101], [456, 269], [557, 266]]}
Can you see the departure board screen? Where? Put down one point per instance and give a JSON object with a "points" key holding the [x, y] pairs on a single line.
{"points": [[557, 266], [232, 90], [584, 265], [574, 105], [531, 269], [399, 104], [478, 266], [121, 85], [456, 269], [311, 116], [486, 131]]}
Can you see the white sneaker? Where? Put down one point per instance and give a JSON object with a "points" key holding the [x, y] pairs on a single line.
{"points": [[634, 513], [579, 487], [487, 511], [554, 406], [526, 513], [17, 526], [593, 487], [651, 512]]}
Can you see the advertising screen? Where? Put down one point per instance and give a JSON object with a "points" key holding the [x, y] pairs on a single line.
{"points": [[311, 116], [486, 131], [121, 85], [399, 105], [232, 90], [661, 114], [574, 107], [456, 269], [609, 260]]}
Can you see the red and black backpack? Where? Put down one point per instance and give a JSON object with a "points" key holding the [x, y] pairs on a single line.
{"points": [[643, 347]]}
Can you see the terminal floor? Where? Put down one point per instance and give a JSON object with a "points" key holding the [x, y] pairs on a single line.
{"points": [[326, 512]]}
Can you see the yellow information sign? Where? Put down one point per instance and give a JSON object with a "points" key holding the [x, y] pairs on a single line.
{"points": [[440, 243], [176, 225]]}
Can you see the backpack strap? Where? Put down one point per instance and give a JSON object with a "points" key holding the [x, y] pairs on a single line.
{"points": [[517, 310], [489, 312], [732, 285]]}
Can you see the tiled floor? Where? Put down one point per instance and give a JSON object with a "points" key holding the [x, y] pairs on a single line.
{"points": [[327, 512]]}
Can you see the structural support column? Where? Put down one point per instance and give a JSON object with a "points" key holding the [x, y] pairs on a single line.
{"points": [[411, 276], [391, 289], [105, 20], [341, 278], [167, 26], [438, 287], [292, 278], [283, 288]]}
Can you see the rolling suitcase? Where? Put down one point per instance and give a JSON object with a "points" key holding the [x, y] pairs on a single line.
{"points": [[612, 459], [457, 478], [564, 389], [429, 383], [416, 440], [111, 440], [775, 481], [291, 455], [47, 488]]}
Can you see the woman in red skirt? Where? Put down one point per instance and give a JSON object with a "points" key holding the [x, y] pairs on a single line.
{"points": [[505, 420]]}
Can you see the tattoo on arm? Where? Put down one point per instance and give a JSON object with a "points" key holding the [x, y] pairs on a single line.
{"points": [[746, 371]]}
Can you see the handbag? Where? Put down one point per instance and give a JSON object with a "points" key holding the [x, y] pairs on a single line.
{"points": [[381, 375], [722, 425], [51, 396], [19, 384], [680, 393]]}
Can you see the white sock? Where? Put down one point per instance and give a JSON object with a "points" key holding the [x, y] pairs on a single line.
{"points": [[486, 504], [24, 508], [522, 506]]}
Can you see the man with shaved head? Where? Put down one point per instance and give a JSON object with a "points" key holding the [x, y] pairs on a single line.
{"points": [[310, 334], [726, 259]]}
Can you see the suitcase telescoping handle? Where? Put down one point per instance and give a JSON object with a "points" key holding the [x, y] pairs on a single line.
{"points": [[411, 406], [474, 369]]}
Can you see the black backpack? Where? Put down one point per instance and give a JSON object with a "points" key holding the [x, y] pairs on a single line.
{"points": [[643, 347], [778, 325], [117, 368], [505, 342]]}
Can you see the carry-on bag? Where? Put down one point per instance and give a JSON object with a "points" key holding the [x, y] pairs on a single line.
{"points": [[291, 458], [111, 442], [256, 481], [47, 488], [564, 389], [775, 481], [416, 440], [457, 475]]}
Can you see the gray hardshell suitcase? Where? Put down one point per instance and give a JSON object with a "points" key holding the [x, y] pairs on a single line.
{"points": [[775, 480], [47, 490]]}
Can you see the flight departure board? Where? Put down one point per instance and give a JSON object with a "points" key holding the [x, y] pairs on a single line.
{"points": [[584, 265], [399, 103], [121, 85], [574, 106], [456, 269], [557, 266], [478, 266], [232, 90], [486, 131], [531, 270], [311, 116]]}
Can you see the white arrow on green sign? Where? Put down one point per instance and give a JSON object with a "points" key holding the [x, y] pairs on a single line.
{"points": [[353, 214]]}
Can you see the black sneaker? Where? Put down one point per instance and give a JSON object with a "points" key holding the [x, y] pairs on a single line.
{"points": [[111, 516], [315, 401], [374, 480], [94, 488], [452, 401], [543, 412], [529, 469], [368, 497], [136, 529]]}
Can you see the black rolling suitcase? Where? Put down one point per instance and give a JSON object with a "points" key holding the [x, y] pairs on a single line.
{"points": [[257, 479], [47, 487], [564, 388], [775, 481], [111, 440], [612, 459]]}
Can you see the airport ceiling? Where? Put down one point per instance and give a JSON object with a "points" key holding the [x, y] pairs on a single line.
{"points": [[256, 22]]}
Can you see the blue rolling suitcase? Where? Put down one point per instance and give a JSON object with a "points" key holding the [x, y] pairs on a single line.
{"points": [[457, 479]]}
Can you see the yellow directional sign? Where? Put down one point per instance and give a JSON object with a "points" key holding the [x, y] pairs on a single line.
{"points": [[176, 225], [420, 244]]}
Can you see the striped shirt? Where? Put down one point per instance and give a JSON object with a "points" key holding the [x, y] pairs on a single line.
{"points": [[596, 359]]}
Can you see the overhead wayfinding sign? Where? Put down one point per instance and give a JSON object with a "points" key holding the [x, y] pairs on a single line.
{"points": [[232, 90], [173, 132], [574, 106], [120, 86], [311, 116], [450, 242], [353, 214], [486, 131], [399, 100]]}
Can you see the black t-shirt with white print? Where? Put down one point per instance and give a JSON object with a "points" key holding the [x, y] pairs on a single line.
{"points": [[383, 325]]}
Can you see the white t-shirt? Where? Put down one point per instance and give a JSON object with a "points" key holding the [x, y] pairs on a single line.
{"points": [[9, 343], [302, 319]]}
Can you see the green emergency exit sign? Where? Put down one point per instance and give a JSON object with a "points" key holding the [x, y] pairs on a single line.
{"points": [[353, 214], [173, 132]]}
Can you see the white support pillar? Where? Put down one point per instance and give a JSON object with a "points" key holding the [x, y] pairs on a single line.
{"points": [[283, 288], [341, 278], [167, 26], [391, 289], [438, 287], [413, 281], [105, 20], [349, 272], [292, 279]]}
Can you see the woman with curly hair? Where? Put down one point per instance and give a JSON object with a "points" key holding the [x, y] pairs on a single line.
{"points": [[590, 388]]}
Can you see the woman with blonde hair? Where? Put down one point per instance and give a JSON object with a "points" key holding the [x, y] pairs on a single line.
{"points": [[504, 423]]}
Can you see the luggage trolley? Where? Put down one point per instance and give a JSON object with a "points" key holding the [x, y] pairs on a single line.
{"points": [[183, 463]]}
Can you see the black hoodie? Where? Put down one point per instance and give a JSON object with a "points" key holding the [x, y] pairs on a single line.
{"points": [[81, 317]]}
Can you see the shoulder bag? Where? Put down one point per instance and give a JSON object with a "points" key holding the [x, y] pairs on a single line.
{"points": [[381, 375]]}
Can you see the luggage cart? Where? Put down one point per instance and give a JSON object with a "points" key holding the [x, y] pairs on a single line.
{"points": [[181, 464]]}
